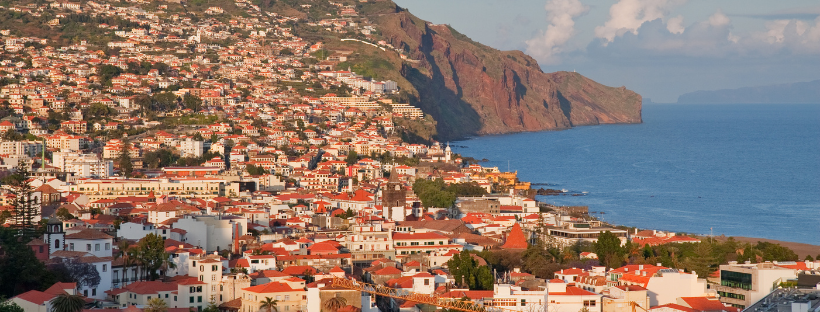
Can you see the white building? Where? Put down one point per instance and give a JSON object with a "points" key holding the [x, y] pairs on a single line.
{"points": [[212, 232], [21, 148], [82, 165], [562, 298], [191, 148], [741, 285]]}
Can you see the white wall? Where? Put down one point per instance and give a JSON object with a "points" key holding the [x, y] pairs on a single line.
{"points": [[667, 288]]}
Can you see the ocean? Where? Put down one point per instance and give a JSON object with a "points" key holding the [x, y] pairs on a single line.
{"points": [[740, 170]]}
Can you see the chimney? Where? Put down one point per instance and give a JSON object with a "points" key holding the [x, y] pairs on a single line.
{"points": [[658, 264], [640, 267]]}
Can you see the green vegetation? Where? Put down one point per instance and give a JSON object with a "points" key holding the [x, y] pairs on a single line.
{"points": [[468, 273], [436, 193], [194, 119], [256, 170], [372, 66], [20, 271], [8, 306]]}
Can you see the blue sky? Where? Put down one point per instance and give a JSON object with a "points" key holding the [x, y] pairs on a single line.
{"points": [[659, 48]]}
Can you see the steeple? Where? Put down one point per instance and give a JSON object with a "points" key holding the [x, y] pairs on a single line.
{"points": [[54, 236], [516, 239]]}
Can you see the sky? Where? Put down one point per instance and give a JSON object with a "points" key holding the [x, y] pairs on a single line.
{"points": [[659, 48]]}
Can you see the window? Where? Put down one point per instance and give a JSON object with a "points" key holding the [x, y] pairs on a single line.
{"points": [[214, 267], [426, 282], [201, 268], [94, 292], [107, 246], [589, 303], [199, 289], [202, 278], [199, 299], [87, 247], [105, 268], [736, 279], [56, 244], [175, 298], [71, 246], [192, 299], [523, 302], [287, 297], [96, 247], [166, 295]]}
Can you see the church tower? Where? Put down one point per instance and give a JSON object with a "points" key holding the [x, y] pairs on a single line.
{"points": [[55, 237], [448, 153], [394, 197]]}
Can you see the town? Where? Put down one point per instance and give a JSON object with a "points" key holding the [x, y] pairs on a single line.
{"points": [[159, 158]]}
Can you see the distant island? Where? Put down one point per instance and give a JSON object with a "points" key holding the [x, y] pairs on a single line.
{"points": [[799, 92]]}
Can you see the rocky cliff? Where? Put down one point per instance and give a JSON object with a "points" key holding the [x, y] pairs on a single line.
{"points": [[473, 89]]}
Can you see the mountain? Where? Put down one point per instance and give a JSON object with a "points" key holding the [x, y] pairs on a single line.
{"points": [[472, 89], [799, 92]]}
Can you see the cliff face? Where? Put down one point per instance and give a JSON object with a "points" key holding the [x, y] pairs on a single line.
{"points": [[473, 89]]}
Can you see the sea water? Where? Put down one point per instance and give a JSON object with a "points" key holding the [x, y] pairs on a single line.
{"points": [[739, 170]]}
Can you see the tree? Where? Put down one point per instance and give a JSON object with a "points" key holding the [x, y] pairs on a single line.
{"points": [[211, 307], [9, 306], [701, 262], [269, 304], [25, 207], [256, 170], [433, 193], [156, 305], [124, 252], [124, 160], [334, 304], [352, 158], [485, 279], [464, 269], [73, 270], [192, 101], [63, 214], [151, 254], [67, 303], [608, 248], [20, 270]]}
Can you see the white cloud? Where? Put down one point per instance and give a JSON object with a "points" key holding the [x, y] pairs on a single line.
{"points": [[560, 14], [675, 25], [713, 38], [719, 19], [628, 16]]}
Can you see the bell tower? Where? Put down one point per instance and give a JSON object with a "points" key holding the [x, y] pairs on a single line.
{"points": [[394, 196], [54, 236]]}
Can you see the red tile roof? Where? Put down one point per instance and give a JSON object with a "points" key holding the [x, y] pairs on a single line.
{"points": [[271, 287], [516, 239]]}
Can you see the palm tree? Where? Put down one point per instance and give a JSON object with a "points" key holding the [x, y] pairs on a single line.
{"points": [[67, 303], [156, 305], [269, 304], [124, 253], [335, 303]]}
